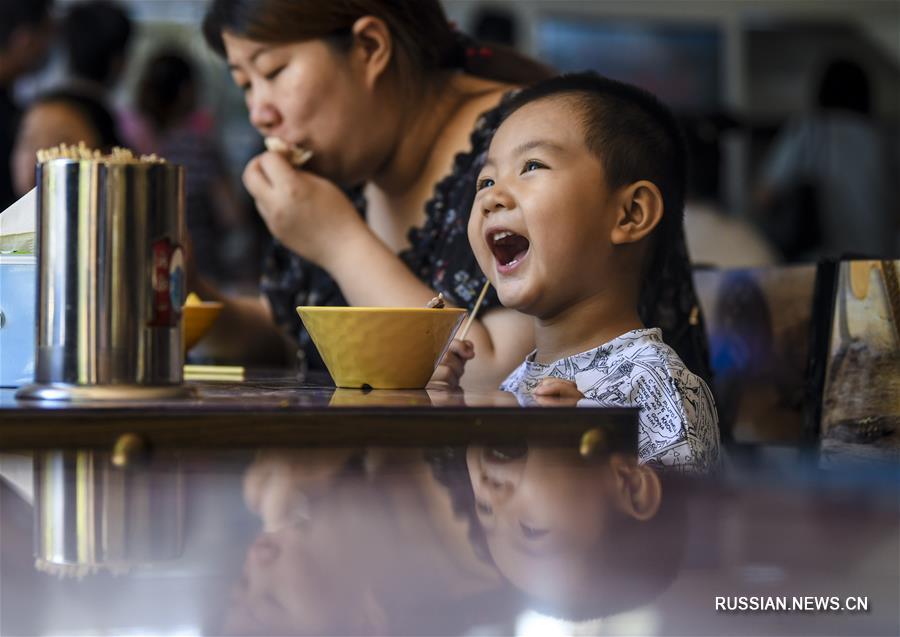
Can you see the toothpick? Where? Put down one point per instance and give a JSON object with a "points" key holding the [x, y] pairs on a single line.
{"points": [[465, 329]]}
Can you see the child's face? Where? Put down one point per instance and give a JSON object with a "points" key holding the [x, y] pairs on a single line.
{"points": [[544, 513], [542, 217]]}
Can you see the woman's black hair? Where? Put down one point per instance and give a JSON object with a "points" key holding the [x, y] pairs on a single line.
{"points": [[448, 466], [424, 41]]}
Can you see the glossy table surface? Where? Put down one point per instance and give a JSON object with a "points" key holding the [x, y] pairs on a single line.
{"points": [[275, 407], [273, 506]]}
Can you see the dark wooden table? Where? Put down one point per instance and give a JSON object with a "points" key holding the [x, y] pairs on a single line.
{"points": [[295, 507], [275, 407]]}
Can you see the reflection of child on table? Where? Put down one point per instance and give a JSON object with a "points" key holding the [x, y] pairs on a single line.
{"points": [[581, 538]]}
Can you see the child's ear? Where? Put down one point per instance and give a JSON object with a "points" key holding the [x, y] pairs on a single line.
{"points": [[640, 209], [638, 489]]}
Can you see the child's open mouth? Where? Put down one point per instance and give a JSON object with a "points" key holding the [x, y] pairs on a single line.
{"points": [[508, 248]]}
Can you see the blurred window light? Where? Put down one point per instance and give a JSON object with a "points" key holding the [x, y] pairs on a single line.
{"points": [[680, 63]]}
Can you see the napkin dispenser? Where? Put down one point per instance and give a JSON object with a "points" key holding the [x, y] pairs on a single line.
{"points": [[18, 274]]}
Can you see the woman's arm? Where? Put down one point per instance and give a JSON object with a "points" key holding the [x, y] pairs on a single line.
{"points": [[314, 218], [370, 274], [245, 332]]}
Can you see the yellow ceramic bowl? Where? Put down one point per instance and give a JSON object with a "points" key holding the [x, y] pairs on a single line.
{"points": [[198, 318], [382, 347]]}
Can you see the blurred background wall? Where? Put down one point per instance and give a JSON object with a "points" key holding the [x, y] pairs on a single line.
{"points": [[736, 71], [755, 60]]}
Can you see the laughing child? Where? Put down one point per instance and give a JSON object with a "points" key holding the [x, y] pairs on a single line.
{"points": [[582, 192]]}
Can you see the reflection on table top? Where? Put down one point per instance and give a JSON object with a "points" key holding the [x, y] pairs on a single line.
{"points": [[277, 408], [268, 390], [436, 540]]}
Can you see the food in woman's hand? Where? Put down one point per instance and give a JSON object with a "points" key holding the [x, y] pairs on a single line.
{"points": [[192, 299], [296, 155], [437, 303]]}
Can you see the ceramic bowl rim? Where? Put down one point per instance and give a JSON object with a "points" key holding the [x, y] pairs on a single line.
{"points": [[390, 310]]}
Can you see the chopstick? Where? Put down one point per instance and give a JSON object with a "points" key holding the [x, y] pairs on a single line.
{"points": [[213, 372], [471, 319]]}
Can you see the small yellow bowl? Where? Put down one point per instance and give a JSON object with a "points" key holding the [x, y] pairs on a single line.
{"points": [[381, 347], [197, 318]]}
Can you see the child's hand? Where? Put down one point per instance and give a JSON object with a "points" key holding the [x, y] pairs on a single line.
{"points": [[557, 392], [453, 365]]}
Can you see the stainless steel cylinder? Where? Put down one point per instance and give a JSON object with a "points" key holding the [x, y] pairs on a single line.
{"points": [[110, 280], [92, 516]]}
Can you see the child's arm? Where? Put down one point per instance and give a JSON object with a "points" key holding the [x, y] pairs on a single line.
{"points": [[453, 365]]}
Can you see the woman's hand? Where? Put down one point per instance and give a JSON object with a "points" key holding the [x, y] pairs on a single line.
{"points": [[453, 365], [557, 392], [307, 213]]}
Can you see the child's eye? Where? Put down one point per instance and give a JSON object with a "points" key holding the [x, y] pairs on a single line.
{"points": [[532, 164], [484, 509], [487, 182], [532, 533]]}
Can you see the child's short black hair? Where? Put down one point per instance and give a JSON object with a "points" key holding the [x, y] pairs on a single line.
{"points": [[634, 135]]}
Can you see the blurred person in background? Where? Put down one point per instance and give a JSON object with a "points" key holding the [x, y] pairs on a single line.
{"points": [[59, 117], [824, 186], [494, 25], [388, 97], [168, 122], [95, 38], [25, 32], [715, 237]]}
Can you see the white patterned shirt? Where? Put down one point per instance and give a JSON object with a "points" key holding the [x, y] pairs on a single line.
{"points": [[679, 427]]}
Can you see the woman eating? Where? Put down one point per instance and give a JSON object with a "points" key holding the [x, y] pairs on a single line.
{"points": [[394, 112]]}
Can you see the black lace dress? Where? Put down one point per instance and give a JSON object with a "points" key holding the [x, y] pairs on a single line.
{"points": [[440, 256]]}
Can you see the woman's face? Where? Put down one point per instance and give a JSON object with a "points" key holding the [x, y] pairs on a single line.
{"points": [[299, 580], [308, 93], [307, 573]]}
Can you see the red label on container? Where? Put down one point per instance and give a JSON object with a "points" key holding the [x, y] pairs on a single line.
{"points": [[166, 284]]}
